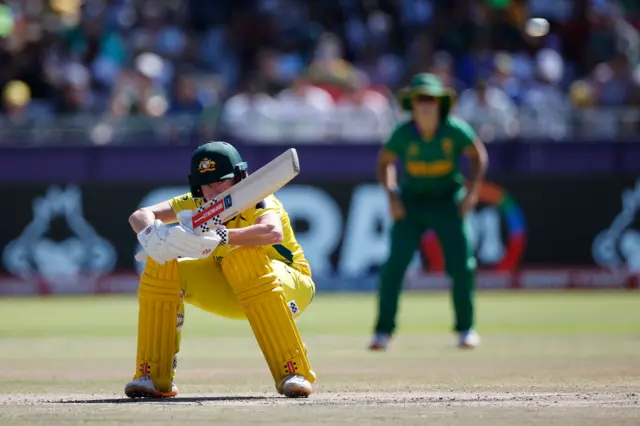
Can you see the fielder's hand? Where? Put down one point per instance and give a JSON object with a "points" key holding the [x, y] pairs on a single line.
{"points": [[469, 202], [396, 207], [153, 238]]}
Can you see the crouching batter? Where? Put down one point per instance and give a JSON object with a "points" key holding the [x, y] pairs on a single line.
{"points": [[248, 268]]}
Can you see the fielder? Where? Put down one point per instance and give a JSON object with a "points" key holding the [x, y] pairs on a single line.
{"points": [[251, 267], [431, 195]]}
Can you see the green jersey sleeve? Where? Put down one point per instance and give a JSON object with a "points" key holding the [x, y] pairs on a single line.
{"points": [[465, 134], [396, 142]]}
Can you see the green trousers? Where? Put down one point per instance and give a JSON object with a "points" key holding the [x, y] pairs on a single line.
{"points": [[444, 218]]}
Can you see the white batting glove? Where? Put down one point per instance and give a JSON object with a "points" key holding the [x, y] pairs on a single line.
{"points": [[153, 238], [187, 244]]}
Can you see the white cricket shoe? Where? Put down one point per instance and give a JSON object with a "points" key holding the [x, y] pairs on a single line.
{"points": [[295, 386], [379, 342], [468, 339], [143, 387]]}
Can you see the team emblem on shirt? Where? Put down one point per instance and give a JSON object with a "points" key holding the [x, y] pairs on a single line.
{"points": [[447, 146]]}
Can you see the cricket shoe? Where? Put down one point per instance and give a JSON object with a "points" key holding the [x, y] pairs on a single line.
{"points": [[468, 339], [143, 387], [295, 386], [380, 342]]}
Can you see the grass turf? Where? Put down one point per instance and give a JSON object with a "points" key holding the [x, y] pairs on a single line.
{"points": [[570, 357]]}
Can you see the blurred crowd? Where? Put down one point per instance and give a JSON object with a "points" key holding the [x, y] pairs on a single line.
{"points": [[176, 71]]}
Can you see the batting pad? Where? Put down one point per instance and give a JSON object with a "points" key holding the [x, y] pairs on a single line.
{"points": [[254, 281], [160, 316]]}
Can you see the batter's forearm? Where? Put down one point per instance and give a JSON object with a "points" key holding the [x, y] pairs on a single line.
{"points": [[255, 235], [140, 219]]}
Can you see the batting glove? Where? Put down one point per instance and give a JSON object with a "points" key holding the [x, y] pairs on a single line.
{"points": [[187, 244], [153, 238]]}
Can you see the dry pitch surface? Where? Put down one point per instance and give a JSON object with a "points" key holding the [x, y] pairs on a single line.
{"points": [[547, 358]]}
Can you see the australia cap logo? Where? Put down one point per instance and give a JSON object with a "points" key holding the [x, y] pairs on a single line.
{"points": [[206, 165]]}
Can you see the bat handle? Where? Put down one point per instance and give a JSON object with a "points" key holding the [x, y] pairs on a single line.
{"points": [[141, 256]]}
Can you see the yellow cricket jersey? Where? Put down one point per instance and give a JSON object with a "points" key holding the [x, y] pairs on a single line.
{"points": [[288, 251]]}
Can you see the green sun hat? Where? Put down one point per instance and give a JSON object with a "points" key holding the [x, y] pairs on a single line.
{"points": [[427, 84]]}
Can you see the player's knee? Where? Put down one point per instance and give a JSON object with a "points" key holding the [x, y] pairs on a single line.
{"points": [[394, 270], [246, 261], [462, 269], [400, 257], [161, 279]]}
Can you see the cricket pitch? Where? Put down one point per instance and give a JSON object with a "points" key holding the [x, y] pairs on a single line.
{"points": [[565, 358]]}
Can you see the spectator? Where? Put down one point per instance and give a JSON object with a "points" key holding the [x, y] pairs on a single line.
{"points": [[252, 114], [75, 96], [93, 44], [442, 66], [478, 62], [489, 110], [613, 82], [15, 101], [130, 51], [418, 55], [157, 34], [137, 91], [328, 69], [304, 111], [185, 97], [16, 97], [381, 68], [216, 54], [361, 114], [545, 109], [503, 78], [590, 121]]}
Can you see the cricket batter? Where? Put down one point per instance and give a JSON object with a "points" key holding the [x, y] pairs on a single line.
{"points": [[430, 195], [250, 267]]}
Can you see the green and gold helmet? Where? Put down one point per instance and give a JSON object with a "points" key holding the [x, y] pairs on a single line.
{"points": [[427, 84], [214, 162]]}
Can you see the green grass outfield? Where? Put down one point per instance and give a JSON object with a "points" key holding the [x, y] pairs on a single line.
{"points": [[546, 358], [539, 313]]}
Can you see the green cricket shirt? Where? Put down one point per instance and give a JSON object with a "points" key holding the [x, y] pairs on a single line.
{"points": [[431, 168]]}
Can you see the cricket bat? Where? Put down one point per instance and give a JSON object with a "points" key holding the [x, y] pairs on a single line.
{"points": [[246, 193]]}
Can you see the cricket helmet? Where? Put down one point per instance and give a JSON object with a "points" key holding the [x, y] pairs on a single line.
{"points": [[430, 85], [214, 162]]}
